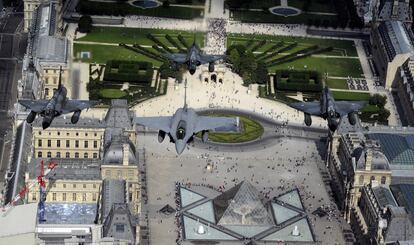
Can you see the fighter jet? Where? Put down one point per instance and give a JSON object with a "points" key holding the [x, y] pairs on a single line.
{"points": [[192, 59], [184, 124], [329, 109], [59, 104]]}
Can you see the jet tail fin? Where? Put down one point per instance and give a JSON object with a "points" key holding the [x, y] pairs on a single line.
{"points": [[185, 94], [60, 78]]}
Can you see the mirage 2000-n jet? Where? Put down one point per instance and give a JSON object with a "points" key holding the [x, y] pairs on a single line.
{"points": [[329, 109], [59, 104], [192, 59], [184, 124]]}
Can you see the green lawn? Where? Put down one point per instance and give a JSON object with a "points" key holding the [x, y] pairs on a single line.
{"points": [[334, 66], [137, 35], [337, 83], [102, 53], [112, 93], [250, 130], [346, 45], [340, 95], [120, 8]]}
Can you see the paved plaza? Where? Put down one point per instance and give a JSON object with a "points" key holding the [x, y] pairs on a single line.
{"points": [[288, 164]]}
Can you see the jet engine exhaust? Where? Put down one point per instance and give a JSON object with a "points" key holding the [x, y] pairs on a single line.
{"points": [[308, 119], [204, 136], [46, 122], [75, 117], [352, 118], [31, 117], [161, 136], [211, 67]]}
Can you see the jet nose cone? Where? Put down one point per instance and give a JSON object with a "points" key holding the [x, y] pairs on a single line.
{"points": [[192, 71], [179, 146]]}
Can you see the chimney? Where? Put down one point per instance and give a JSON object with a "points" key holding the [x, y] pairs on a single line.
{"points": [[125, 155]]}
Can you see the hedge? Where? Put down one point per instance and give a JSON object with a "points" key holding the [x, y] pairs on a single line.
{"points": [[129, 71]]}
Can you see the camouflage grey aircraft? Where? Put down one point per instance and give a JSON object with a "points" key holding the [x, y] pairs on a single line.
{"points": [[184, 124], [59, 104], [329, 109], [192, 59]]}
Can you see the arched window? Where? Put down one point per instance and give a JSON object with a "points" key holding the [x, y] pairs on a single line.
{"points": [[67, 155], [58, 154], [47, 91], [383, 180], [372, 178], [361, 179], [39, 154], [85, 155], [49, 154], [76, 154]]}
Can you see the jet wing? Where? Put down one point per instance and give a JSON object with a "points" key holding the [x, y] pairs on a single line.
{"points": [[34, 105], [205, 58], [345, 107], [313, 108], [77, 105], [178, 57], [160, 123], [208, 123]]}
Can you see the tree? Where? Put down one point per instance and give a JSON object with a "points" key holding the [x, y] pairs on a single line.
{"points": [[234, 58], [260, 75], [248, 62], [85, 24]]}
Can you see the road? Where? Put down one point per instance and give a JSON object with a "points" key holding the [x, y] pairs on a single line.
{"points": [[12, 48]]}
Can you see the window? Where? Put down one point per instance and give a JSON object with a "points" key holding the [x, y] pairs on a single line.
{"points": [[54, 196], [64, 185], [383, 180], [74, 185], [86, 134], [77, 143], [85, 155], [84, 197], [49, 143], [95, 155], [67, 134], [39, 154], [95, 134], [94, 186], [39, 143], [84, 185], [372, 178], [54, 80], [86, 144], [77, 134], [58, 133], [130, 197], [64, 197], [67, 143], [54, 91], [74, 197], [58, 143], [34, 197], [40, 133], [67, 155], [76, 154], [361, 179], [93, 196], [95, 144], [58, 154], [119, 228], [49, 154]]}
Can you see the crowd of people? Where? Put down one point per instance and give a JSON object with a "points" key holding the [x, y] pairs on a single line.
{"points": [[216, 36]]}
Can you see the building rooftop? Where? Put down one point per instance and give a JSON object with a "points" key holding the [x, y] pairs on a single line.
{"points": [[384, 196], [70, 213], [398, 148], [401, 12], [113, 191], [64, 122], [19, 220], [68, 169], [114, 151], [395, 38], [404, 194], [118, 115]]}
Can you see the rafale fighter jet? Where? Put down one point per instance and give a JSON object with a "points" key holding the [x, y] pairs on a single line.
{"points": [[192, 59], [56, 106], [329, 109], [184, 124]]}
